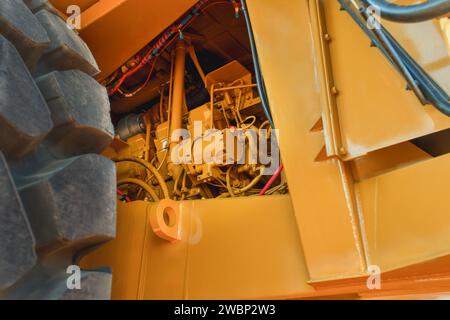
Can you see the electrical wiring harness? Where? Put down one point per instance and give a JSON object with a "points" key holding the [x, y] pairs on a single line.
{"points": [[165, 40]]}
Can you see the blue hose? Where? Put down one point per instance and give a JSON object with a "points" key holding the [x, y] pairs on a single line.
{"points": [[412, 13]]}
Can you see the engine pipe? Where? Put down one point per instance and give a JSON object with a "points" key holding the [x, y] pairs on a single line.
{"points": [[178, 86], [178, 96]]}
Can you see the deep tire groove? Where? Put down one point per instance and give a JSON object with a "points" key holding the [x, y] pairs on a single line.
{"points": [[48, 139]]}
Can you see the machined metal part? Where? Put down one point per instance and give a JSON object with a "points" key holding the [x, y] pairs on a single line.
{"points": [[130, 126]]}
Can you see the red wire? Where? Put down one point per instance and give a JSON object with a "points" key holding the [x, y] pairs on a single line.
{"points": [[158, 46], [144, 60], [150, 73], [122, 194], [137, 68], [271, 181], [146, 81]]}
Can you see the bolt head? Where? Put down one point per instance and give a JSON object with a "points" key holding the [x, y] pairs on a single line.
{"points": [[334, 90], [342, 151]]}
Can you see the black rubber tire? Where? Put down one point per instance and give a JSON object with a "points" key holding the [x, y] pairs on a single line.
{"points": [[57, 195]]}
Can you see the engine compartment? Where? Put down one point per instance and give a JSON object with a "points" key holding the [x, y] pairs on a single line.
{"points": [[194, 85]]}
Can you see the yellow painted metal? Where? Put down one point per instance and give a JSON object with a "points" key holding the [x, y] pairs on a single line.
{"points": [[238, 250], [418, 39], [299, 83], [445, 25], [321, 191], [125, 254], [386, 160], [406, 214], [374, 109], [431, 278], [62, 5], [241, 248]]}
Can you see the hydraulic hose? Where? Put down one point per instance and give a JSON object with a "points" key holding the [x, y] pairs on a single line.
{"points": [[150, 168], [141, 184], [426, 89], [250, 186], [411, 13], [259, 79]]}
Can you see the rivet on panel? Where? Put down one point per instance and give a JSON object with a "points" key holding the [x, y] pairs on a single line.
{"points": [[334, 90]]}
